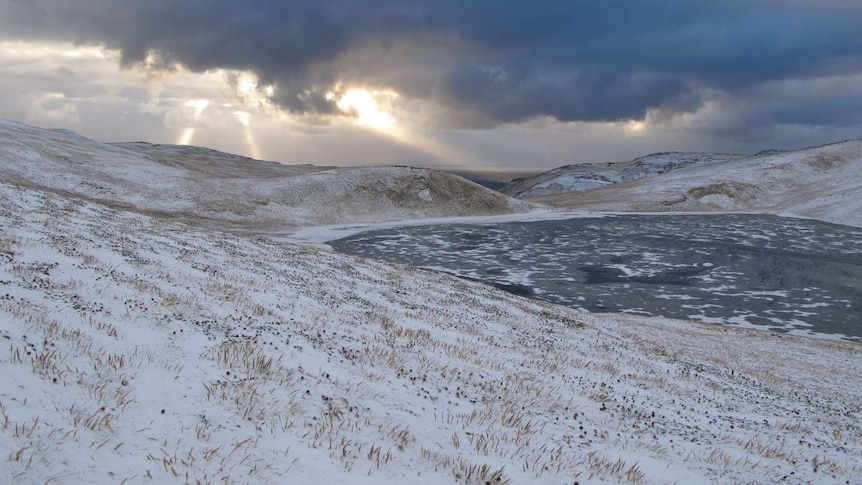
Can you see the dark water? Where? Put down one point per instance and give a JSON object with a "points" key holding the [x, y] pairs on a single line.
{"points": [[753, 270]]}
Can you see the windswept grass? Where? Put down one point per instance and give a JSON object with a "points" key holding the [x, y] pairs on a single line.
{"points": [[159, 353]]}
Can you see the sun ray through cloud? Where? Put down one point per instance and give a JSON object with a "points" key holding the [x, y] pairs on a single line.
{"points": [[447, 80], [245, 120], [199, 105], [364, 105], [372, 111], [186, 136]]}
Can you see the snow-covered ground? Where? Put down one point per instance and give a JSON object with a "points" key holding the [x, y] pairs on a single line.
{"points": [[147, 340], [219, 190], [142, 350], [822, 182], [591, 175]]}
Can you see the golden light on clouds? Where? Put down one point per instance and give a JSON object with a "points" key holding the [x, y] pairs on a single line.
{"points": [[48, 50], [374, 110], [635, 128], [249, 91], [365, 105], [225, 109]]}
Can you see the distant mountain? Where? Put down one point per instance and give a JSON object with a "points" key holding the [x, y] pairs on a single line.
{"points": [[587, 176], [822, 182], [208, 187]]}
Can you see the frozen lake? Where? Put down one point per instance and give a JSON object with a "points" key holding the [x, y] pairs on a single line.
{"points": [[792, 275]]}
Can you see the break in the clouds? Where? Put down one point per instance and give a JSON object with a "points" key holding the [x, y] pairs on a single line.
{"points": [[484, 62], [499, 83]]}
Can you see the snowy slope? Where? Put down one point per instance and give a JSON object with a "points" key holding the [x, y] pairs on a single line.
{"points": [[208, 187], [142, 350], [821, 182], [591, 175]]}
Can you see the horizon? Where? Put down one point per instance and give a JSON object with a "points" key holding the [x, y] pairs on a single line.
{"points": [[490, 177], [439, 85]]}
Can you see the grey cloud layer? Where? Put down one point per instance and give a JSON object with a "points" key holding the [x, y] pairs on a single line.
{"points": [[487, 62]]}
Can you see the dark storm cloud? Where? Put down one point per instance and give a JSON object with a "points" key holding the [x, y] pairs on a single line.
{"points": [[504, 61], [510, 95]]}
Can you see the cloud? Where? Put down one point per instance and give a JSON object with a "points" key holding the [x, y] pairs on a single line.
{"points": [[483, 63], [52, 108], [65, 71], [827, 101], [515, 94]]}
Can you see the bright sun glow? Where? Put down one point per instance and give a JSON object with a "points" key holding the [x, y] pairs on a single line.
{"points": [[635, 128], [372, 110], [251, 93], [364, 104], [247, 84]]}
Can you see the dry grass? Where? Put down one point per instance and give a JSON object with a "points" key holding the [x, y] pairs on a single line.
{"points": [[268, 358]]}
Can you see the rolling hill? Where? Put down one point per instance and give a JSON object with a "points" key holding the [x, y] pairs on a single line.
{"points": [[822, 182], [587, 176], [148, 340], [203, 186]]}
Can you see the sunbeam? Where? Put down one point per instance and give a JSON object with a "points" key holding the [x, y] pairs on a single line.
{"points": [[199, 105], [186, 136], [245, 120], [443, 152], [372, 112]]}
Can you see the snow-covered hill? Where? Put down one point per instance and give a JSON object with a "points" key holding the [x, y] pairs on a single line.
{"points": [[204, 186], [591, 175], [822, 182], [143, 350]]}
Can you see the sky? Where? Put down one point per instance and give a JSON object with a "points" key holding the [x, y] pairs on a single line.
{"points": [[460, 84]]}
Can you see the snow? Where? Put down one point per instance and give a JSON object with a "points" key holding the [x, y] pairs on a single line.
{"points": [[277, 361], [575, 178], [821, 182], [144, 349], [324, 233], [566, 183], [203, 186]]}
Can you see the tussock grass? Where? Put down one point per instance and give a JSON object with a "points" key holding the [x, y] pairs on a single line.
{"points": [[178, 355]]}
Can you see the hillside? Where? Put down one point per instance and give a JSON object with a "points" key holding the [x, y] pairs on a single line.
{"points": [[591, 175], [203, 186], [148, 340], [821, 182], [143, 350]]}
